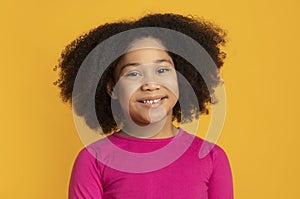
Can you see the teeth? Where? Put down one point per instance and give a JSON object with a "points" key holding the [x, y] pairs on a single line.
{"points": [[152, 101]]}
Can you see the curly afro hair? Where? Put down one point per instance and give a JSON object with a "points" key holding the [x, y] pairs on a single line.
{"points": [[207, 34]]}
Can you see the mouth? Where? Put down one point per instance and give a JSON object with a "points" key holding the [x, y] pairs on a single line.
{"points": [[152, 100]]}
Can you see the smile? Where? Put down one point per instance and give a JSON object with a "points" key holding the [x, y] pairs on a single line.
{"points": [[152, 101]]}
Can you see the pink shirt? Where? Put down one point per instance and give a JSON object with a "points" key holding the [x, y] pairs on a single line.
{"points": [[187, 177]]}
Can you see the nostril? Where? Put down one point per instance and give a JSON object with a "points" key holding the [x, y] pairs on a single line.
{"points": [[150, 86]]}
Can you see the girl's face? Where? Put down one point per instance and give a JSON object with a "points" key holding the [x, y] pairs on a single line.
{"points": [[147, 87]]}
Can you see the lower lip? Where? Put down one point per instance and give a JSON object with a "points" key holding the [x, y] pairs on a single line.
{"points": [[153, 105]]}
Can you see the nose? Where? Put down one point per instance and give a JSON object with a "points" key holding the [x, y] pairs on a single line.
{"points": [[150, 86]]}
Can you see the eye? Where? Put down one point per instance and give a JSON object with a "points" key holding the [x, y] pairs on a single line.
{"points": [[162, 70], [132, 74]]}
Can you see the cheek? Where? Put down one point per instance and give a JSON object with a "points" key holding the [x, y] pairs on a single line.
{"points": [[125, 90], [171, 83]]}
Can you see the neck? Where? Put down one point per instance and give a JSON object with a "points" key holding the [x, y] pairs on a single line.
{"points": [[161, 129]]}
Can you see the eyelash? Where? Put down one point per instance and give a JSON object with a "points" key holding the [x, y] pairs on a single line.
{"points": [[132, 74], [135, 73], [164, 69]]}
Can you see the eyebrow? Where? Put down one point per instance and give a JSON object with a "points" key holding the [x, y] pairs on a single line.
{"points": [[155, 62]]}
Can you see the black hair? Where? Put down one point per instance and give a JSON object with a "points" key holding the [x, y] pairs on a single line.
{"points": [[207, 34]]}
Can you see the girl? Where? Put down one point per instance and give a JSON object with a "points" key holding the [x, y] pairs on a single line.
{"points": [[138, 98]]}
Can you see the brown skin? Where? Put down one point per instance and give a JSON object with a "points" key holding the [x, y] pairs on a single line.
{"points": [[146, 74]]}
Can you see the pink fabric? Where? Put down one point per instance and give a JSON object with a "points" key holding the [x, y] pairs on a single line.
{"points": [[188, 177]]}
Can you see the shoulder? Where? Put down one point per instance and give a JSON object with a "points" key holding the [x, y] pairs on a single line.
{"points": [[85, 156], [94, 151], [85, 164], [206, 148]]}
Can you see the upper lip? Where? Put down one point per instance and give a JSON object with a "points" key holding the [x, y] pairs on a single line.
{"points": [[151, 97]]}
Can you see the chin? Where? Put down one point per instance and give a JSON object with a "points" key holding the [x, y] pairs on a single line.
{"points": [[147, 121], [157, 119]]}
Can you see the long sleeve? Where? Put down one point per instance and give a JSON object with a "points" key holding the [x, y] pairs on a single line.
{"points": [[85, 182], [220, 183]]}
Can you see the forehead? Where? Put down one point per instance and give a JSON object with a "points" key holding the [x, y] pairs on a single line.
{"points": [[144, 56], [145, 50], [145, 43], [142, 51]]}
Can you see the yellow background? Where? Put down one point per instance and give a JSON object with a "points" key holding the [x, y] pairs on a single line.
{"points": [[261, 132]]}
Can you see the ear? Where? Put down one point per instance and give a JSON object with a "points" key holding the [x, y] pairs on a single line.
{"points": [[109, 90]]}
